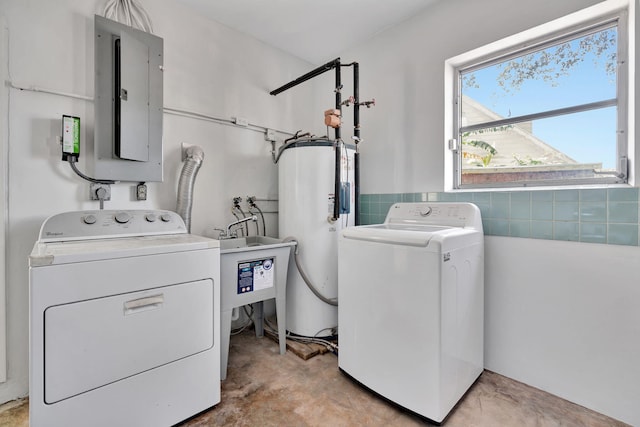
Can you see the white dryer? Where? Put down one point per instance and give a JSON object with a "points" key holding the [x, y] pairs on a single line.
{"points": [[411, 305], [124, 320]]}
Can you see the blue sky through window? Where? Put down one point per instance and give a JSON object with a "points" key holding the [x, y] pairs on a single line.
{"points": [[587, 137]]}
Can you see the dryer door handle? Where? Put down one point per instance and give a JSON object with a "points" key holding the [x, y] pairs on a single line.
{"points": [[143, 304]]}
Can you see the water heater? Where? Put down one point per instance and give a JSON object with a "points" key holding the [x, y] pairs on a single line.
{"points": [[306, 178]]}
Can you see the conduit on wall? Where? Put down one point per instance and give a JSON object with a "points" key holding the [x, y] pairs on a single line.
{"points": [[167, 110]]}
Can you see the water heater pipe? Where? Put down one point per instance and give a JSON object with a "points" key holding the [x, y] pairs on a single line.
{"points": [[336, 179], [356, 138], [311, 74], [194, 156]]}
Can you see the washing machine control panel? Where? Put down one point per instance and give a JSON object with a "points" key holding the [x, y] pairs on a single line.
{"points": [[104, 224], [452, 214]]}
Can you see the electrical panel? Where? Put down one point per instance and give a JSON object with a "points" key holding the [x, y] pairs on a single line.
{"points": [[128, 103]]}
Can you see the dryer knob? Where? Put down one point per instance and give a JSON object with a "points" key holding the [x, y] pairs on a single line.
{"points": [[150, 217], [122, 217], [165, 217], [89, 219]]}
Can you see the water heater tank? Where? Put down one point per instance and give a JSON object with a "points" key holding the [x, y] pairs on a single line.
{"points": [[306, 170]]}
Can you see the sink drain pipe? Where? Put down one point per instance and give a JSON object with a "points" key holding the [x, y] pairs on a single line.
{"points": [[303, 274]]}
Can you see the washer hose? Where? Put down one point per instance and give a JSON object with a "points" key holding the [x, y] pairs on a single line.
{"points": [[312, 288], [194, 156]]}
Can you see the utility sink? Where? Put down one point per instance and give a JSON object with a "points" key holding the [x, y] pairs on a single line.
{"points": [[252, 269], [241, 244]]}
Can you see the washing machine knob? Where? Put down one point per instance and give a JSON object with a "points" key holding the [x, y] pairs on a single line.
{"points": [[165, 217], [426, 212], [150, 217], [89, 219], [122, 217]]}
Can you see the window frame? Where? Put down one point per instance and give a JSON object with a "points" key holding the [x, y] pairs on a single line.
{"points": [[575, 25]]}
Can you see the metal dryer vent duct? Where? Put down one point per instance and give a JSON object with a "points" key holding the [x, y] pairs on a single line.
{"points": [[193, 156]]}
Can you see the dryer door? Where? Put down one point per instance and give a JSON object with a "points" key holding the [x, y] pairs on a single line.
{"points": [[93, 343]]}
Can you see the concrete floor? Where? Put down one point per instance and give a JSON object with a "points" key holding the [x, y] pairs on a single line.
{"points": [[265, 389]]}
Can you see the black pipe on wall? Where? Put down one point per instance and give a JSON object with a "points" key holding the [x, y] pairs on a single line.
{"points": [[337, 180], [356, 134], [311, 74]]}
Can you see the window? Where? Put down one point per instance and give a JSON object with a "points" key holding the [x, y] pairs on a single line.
{"points": [[550, 110]]}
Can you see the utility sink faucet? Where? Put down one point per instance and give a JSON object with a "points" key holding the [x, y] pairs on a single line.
{"points": [[240, 221]]}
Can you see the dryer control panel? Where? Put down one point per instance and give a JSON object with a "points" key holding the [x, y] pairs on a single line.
{"points": [[106, 224]]}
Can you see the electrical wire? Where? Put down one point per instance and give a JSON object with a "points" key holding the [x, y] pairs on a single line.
{"points": [[345, 218], [248, 323], [343, 177], [332, 329], [272, 330], [289, 141], [129, 12], [249, 315], [242, 328], [72, 163]]}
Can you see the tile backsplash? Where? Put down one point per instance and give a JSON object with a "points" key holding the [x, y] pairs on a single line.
{"points": [[590, 215]]}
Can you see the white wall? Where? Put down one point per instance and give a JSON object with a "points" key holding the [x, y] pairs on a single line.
{"points": [[209, 68], [564, 317], [3, 198], [560, 316]]}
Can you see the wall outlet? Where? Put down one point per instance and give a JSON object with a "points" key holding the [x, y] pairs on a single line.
{"points": [[141, 192], [95, 190]]}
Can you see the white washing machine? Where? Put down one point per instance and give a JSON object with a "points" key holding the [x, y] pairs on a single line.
{"points": [[124, 320], [411, 305]]}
